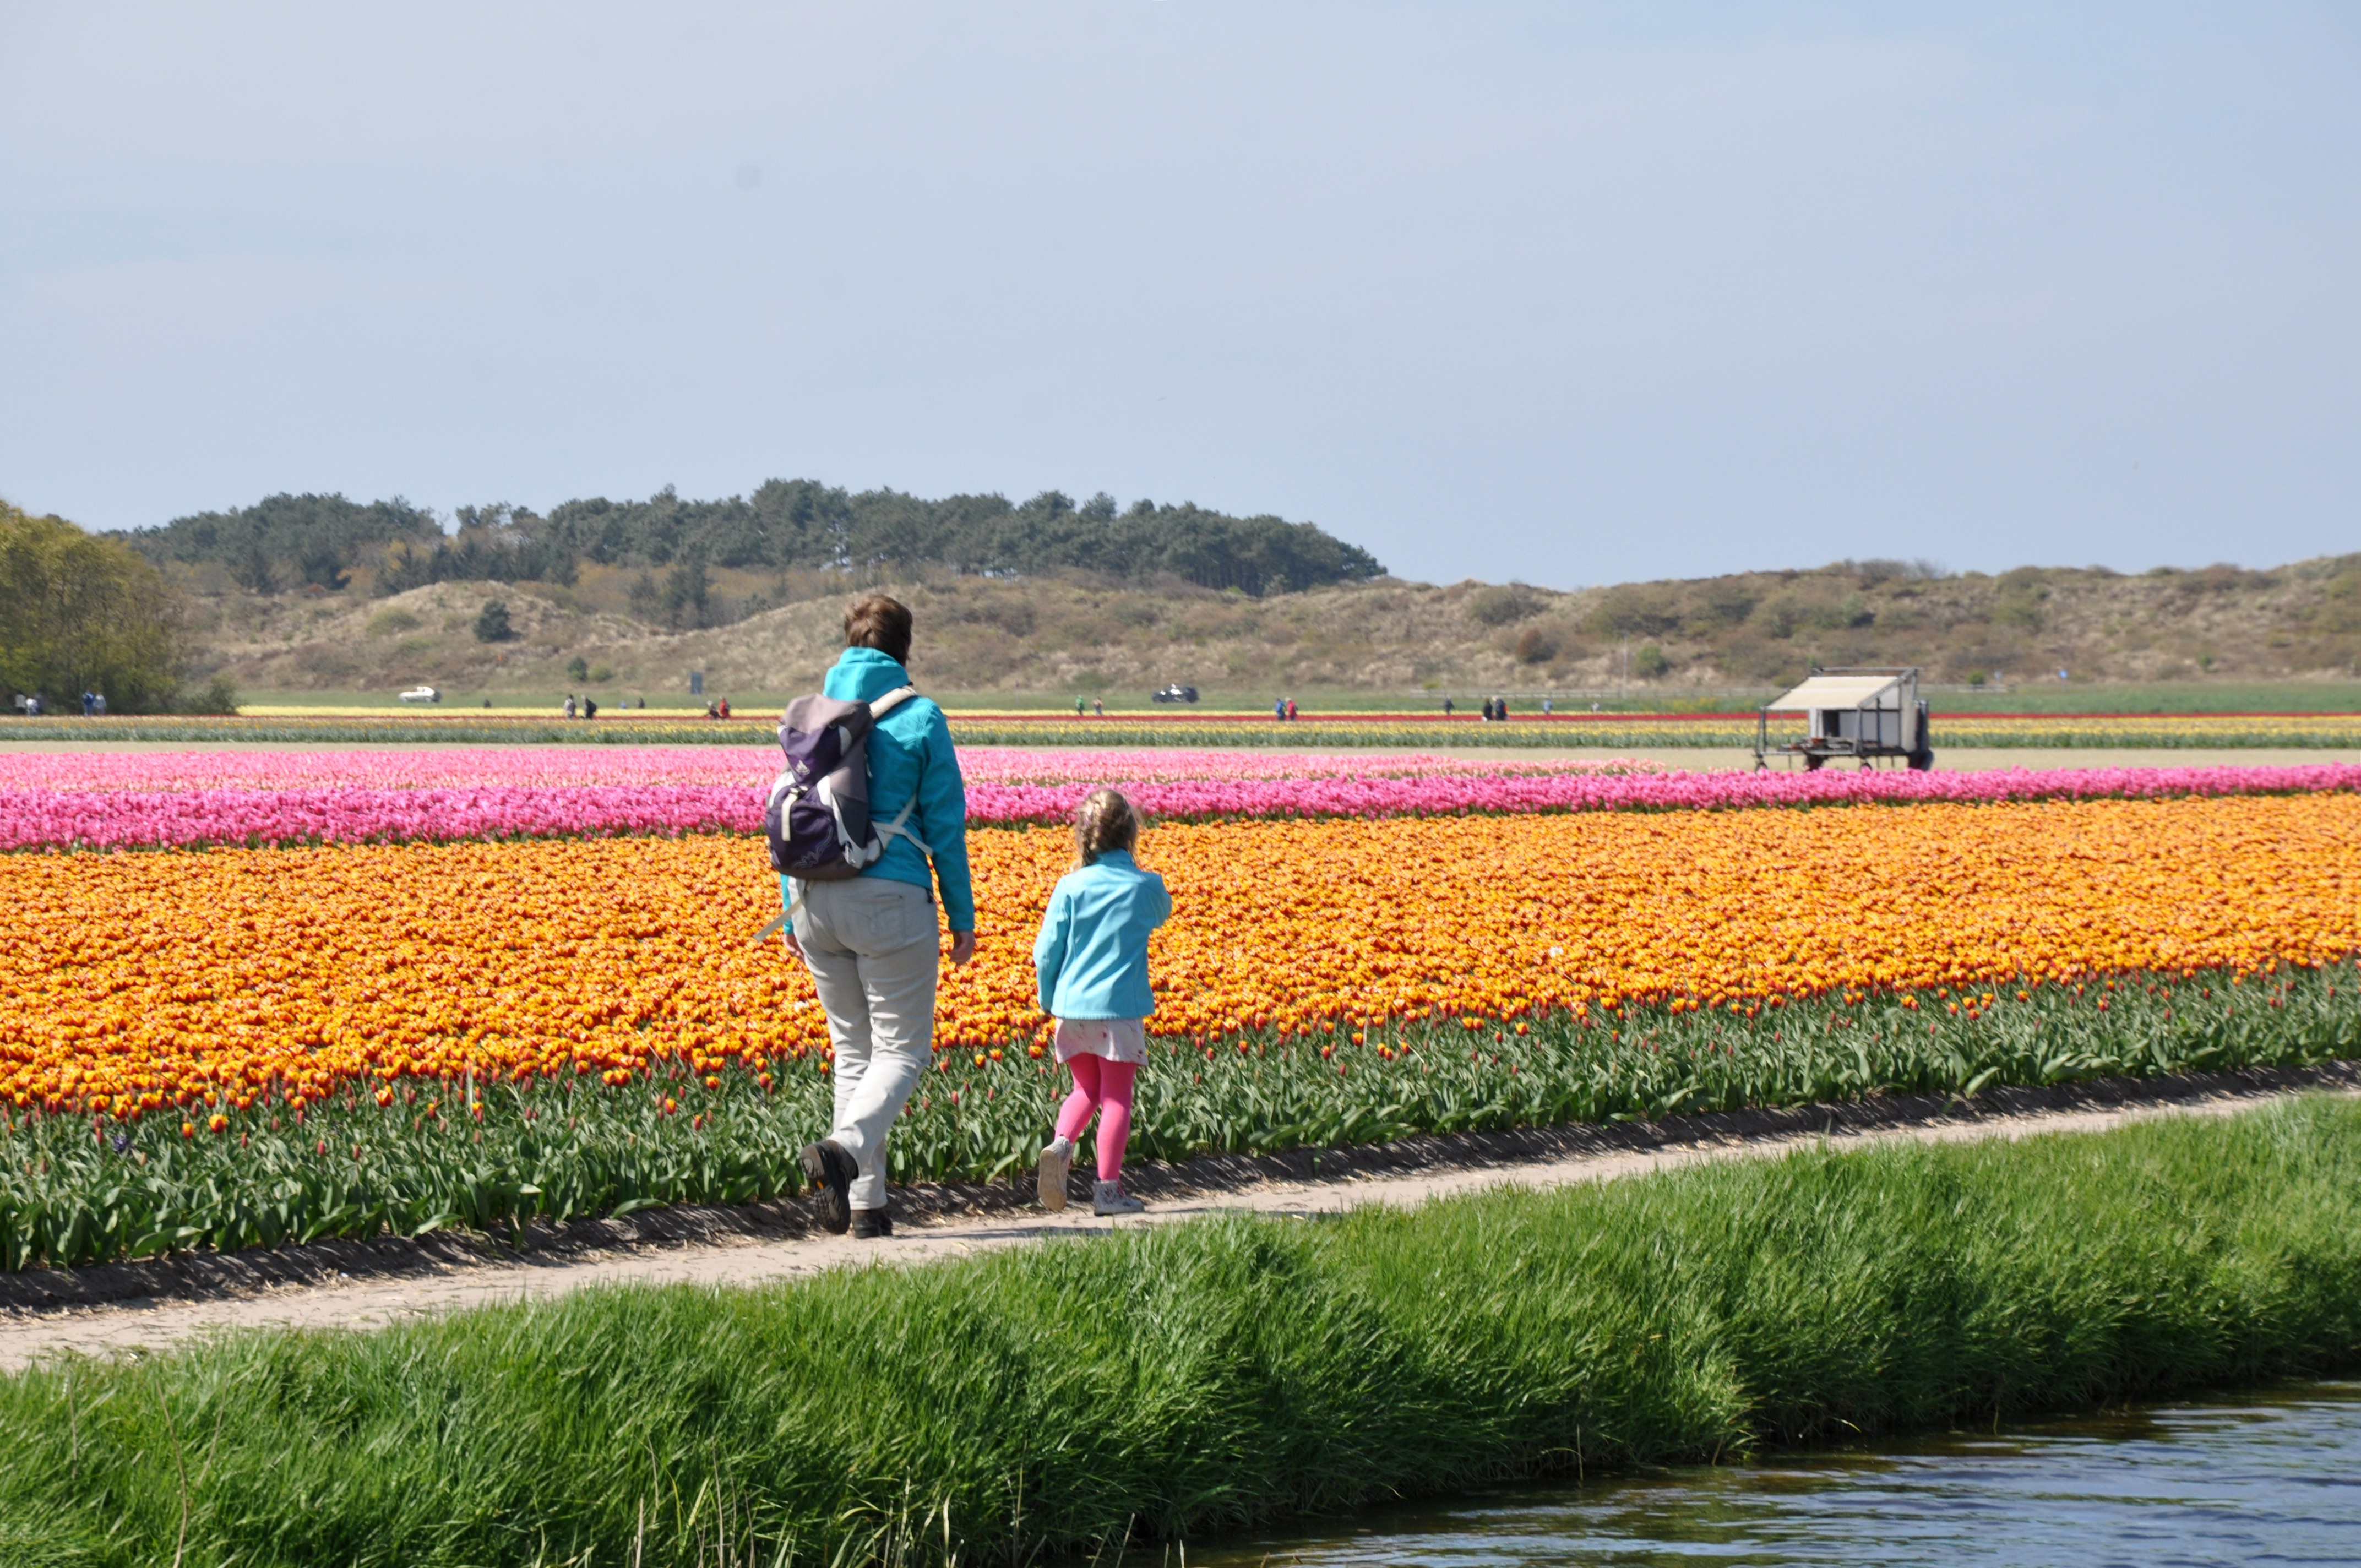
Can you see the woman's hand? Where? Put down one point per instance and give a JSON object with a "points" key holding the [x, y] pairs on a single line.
{"points": [[795, 947], [963, 948]]}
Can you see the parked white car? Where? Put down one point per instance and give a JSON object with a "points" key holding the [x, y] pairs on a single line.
{"points": [[421, 694]]}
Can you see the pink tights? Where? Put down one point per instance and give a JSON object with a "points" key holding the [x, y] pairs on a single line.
{"points": [[1103, 1085]]}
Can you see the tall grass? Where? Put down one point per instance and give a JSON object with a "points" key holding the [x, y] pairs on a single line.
{"points": [[1173, 1381]]}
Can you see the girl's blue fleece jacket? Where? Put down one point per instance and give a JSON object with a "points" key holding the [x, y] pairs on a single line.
{"points": [[1093, 951]]}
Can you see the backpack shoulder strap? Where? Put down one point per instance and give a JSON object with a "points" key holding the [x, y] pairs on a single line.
{"points": [[900, 828], [880, 706]]}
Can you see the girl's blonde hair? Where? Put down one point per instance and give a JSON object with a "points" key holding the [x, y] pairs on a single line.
{"points": [[1104, 821]]}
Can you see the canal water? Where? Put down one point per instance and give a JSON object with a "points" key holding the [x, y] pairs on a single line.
{"points": [[2269, 1477]]}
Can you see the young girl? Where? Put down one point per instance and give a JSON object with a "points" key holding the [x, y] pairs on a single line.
{"points": [[1092, 958]]}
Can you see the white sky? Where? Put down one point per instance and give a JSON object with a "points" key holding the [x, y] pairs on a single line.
{"points": [[1558, 291]]}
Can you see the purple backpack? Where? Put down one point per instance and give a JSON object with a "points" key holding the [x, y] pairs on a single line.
{"points": [[816, 815]]}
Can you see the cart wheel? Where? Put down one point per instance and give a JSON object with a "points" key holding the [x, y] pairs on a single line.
{"points": [[1812, 761], [1923, 761]]}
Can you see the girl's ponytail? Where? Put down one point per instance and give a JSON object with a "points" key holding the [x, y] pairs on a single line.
{"points": [[1104, 821]]}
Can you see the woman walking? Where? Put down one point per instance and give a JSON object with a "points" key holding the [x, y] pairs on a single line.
{"points": [[1091, 963], [871, 940]]}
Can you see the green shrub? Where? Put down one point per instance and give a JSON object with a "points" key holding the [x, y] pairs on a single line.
{"points": [[1536, 645], [218, 695], [1501, 604], [391, 622], [492, 622]]}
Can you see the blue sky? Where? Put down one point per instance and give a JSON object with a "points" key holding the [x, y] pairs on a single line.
{"points": [[1562, 293]]}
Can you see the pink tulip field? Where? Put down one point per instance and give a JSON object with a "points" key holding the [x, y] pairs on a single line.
{"points": [[553, 766], [82, 800]]}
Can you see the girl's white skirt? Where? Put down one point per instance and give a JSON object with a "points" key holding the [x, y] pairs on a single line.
{"points": [[1117, 1039]]}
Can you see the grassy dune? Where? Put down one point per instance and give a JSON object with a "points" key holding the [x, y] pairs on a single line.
{"points": [[1171, 1382]]}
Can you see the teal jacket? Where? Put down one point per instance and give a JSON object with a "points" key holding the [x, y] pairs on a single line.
{"points": [[1092, 955], [910, 753]]}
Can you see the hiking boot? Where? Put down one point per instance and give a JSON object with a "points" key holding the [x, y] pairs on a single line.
{"points": [[1049, 1179], [868, 1224], [1108, 1198], [830, 1171]]}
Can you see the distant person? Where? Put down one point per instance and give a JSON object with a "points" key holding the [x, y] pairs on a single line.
{"points": [[569, 705], [1278, 708], [1500, 708], [101, 698], [1290, 710], [1449, 708], [1098, 708], [711, 711], [89, 705], [488, 702], [1593, 707], [725, 708], [1091, 967], [589, 708], [1547, 708], [1081, 709]]}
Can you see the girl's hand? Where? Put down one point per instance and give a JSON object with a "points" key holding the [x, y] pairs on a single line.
{"points": [[795, 947], [963, 948]]}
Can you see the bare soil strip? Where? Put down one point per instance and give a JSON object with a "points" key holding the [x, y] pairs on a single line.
{"points": [[126, 1308]]}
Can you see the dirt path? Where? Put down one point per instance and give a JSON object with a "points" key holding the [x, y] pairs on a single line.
{"points": [[1438, 1169]]}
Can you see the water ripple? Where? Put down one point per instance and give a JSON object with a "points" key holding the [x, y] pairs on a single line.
{"points": [[2262, 1478]]}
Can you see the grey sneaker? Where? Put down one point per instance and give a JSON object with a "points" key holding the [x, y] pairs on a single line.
{"points": [[1050, 1179], [830, 1171], [1108, 1197]]}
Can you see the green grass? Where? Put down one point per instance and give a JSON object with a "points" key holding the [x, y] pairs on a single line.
{"points": [[2161, 697], [74, 1190], [2100, 736], [2069, 697], [752, 727], [1168, 1382], [2170, 697], [506, 700]]}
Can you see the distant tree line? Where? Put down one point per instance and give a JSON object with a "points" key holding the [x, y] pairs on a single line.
{"points": [[286, 541]]}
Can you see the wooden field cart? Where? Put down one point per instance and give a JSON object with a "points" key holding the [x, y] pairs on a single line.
{"points": [[1869, 715]]}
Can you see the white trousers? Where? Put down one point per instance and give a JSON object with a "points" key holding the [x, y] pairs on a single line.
{"points": [[873, 951]]}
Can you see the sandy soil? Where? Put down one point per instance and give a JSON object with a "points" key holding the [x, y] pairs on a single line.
{"points": [[1440, 1168]]}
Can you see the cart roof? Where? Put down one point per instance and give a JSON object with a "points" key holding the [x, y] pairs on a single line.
{"points": [[1837, 691]]}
